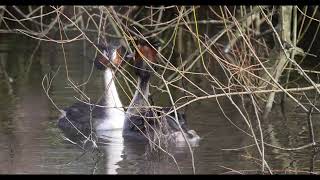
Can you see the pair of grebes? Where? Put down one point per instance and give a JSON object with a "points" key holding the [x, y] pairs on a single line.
{"points": [[139, 122]]}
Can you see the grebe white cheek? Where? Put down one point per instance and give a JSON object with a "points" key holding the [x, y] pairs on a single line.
{"points": [[114, 55]]}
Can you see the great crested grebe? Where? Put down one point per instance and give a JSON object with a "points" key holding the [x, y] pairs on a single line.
{"points": [[108, 113], [141, 122]]}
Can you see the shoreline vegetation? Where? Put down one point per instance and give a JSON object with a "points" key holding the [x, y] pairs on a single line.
{"points": [[263, 55]]}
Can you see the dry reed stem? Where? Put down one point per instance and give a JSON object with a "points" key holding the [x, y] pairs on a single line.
{"points": [[243, 56]]}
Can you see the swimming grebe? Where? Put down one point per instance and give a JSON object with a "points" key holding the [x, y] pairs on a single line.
{"points": [[142, 122], [108, 114]]}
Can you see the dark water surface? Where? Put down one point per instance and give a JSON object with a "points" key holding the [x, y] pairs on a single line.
{"points": [[30, 141]]}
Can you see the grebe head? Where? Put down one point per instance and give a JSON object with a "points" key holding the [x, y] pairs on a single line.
{"points": [[110, 57], [144, 58]]}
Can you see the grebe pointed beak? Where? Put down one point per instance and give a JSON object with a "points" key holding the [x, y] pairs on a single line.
{"points": [[130, 55]]}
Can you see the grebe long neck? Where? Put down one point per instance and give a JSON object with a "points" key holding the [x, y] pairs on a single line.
{"points": [[139, 99], [141, 94], [111, 93], [114, 111]]}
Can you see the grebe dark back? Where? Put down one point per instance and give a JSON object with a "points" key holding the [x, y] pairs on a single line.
{"points": [[107, 114], [145, 123]]}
